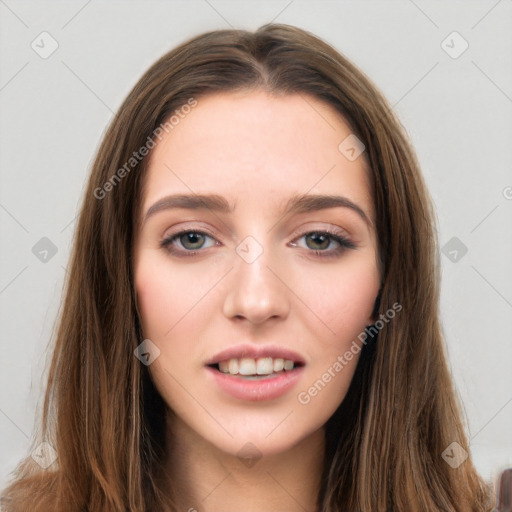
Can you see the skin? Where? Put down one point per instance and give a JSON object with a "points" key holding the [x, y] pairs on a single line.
{"points": [[257, 151]]}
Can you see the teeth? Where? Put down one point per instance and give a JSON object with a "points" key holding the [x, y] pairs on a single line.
{"points": [[288, 365], [247, 366], [278, 365], [260, 366], [233, 366], [264, 366]]}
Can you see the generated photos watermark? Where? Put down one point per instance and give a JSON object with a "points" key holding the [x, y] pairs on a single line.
{"points": [[304, 397], [144, 150]]}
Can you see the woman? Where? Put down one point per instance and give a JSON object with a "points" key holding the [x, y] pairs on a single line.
{"points": [[251, 319]]}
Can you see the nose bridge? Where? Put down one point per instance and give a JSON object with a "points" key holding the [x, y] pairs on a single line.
{"points": [[255, 292]]}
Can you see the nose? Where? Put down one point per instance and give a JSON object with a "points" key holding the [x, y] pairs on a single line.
{"points": [[255, 293]]}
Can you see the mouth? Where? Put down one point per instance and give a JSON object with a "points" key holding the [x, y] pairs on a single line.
{"points": [[255, 373], [256, 368]]}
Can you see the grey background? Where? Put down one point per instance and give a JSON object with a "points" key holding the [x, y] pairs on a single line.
{"points": [[456, 111]]}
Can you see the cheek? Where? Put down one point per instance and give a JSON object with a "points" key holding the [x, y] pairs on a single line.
{"points": [[343, 300], [172, 298], [154, 299], [161, 295]]}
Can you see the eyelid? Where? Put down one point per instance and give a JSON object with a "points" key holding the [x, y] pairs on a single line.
{"points": [[335, 231], [192, 225]]}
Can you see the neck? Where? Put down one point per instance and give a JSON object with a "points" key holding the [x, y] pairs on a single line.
{"points": [[206, 479]]}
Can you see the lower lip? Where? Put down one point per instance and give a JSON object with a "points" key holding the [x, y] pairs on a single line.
{"points": [[256, 390]]}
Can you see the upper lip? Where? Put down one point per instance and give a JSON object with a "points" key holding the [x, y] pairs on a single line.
{"points": [[255, 352]]}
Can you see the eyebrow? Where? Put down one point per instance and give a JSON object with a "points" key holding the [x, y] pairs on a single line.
{"points": [[212, 202], [297, 204], [311, 203]]}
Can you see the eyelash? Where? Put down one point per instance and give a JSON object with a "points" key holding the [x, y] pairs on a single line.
{"points": [[343, 243]]}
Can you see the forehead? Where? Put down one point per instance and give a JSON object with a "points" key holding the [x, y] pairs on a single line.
{"points": [[255, 148]]}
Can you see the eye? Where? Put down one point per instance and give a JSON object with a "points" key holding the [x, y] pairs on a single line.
{"points": [[188, 242], [323, 243]]}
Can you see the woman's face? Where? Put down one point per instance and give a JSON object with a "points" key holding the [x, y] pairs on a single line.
{"points": [[250, 258]]}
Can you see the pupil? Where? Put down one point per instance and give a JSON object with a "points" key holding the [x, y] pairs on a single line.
{"points": [[319, 241], [192, 240]]}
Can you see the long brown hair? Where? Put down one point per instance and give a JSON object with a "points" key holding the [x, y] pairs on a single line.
{"points": [[102, 414]]}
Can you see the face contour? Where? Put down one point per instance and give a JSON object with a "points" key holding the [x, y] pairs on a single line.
{"points": [[259, 273]]}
